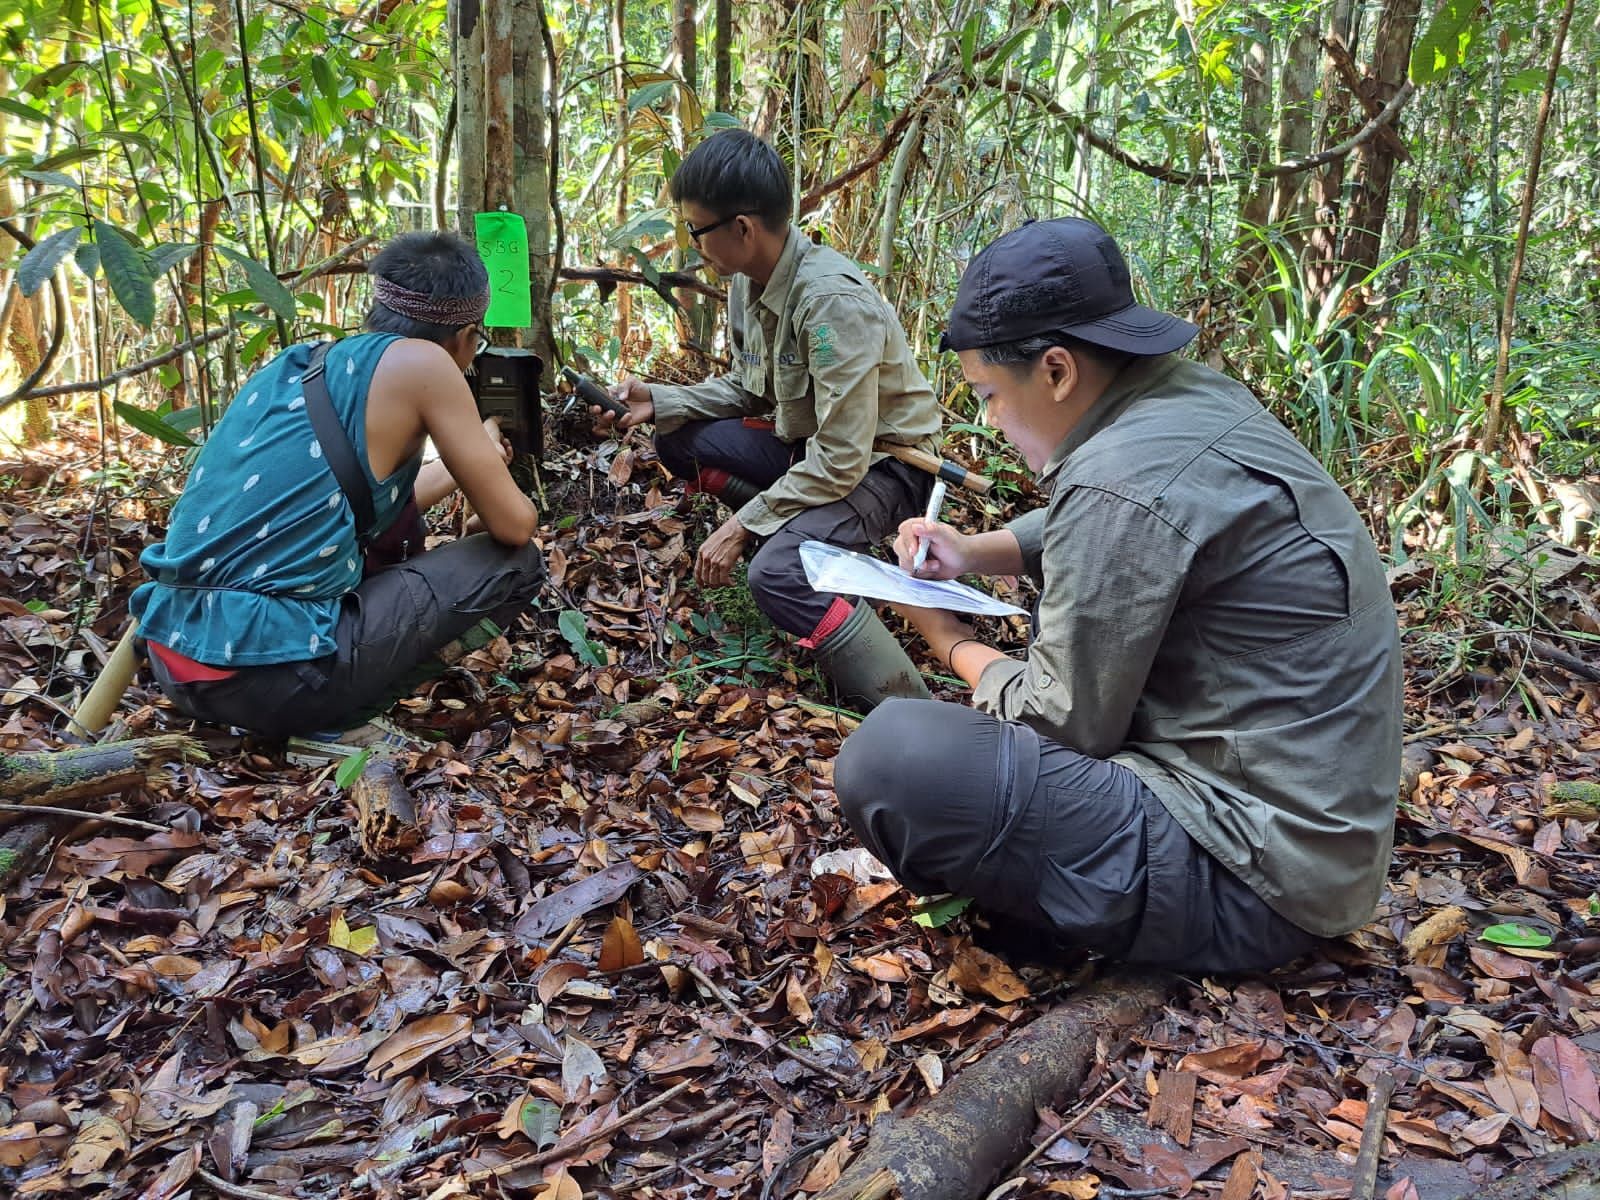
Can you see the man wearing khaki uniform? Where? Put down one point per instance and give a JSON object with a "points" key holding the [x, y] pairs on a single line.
{"points": [[1195, 763], [821, 370]]}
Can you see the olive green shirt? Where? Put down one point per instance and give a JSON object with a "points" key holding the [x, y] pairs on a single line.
{"points": [[1214, 616], [822, 354]]}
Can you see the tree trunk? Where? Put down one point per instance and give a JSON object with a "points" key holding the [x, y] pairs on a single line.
{"points": [[764, 65], [1296, 112], [533, 131], [619, 55], [1328, 181], [1530, 183], [722, 56], [958, 1142], [1255, 120], [1375, 159], [685, 50], [1083, 166], [467, 26]]}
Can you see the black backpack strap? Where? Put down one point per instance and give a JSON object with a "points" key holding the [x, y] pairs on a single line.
{"points": [[336, 447]]}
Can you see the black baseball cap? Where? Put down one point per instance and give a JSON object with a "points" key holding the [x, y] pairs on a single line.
{"points": [[1060, 276]]}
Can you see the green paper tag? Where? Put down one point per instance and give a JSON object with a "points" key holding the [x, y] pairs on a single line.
{"points": [[503, 245]]}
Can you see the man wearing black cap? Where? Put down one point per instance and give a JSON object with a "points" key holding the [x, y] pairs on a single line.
{"points": [[1195, 764]]}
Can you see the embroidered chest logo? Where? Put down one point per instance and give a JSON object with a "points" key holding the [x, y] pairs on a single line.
{"points": [[823, 351], [788, 360], [751, 358]]}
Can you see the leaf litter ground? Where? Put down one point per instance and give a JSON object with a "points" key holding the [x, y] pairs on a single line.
{"points": [[600, 957]]}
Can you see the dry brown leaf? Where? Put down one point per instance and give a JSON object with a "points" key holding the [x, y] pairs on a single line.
{"points": [[1436, 986], [555, 978], [778, 1143], [98, 1140], [931, 1068], [620, 947], [1230, 1063], [976, 970], [794, 997], [1566, 1083], [825, 1172], [941, 1022], [1496, 965], [561, 1186], [664, 1057], [701, 818], [885, 967], [1084, 1187], [758, 849], [1419, 1131], [417, 1041]]}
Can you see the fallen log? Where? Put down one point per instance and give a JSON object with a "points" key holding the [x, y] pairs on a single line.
{"points": [[1572, 1174], [386, 811], [23, 845], [55, 776], [956, 1144]]}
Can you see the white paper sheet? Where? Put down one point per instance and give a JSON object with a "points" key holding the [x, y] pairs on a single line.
{"points": [[830, 569]]}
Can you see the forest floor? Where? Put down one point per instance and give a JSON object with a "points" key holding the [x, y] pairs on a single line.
{"points": [[632, 878]]}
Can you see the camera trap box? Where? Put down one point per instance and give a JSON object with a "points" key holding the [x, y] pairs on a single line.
{"points": [[505, 383]]}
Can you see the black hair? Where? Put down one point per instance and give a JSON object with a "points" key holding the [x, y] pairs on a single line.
{"points": [[1024, 353], [441, 264], [733, 172]]}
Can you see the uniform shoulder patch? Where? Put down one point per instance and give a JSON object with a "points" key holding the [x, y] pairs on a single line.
{"points": [[823, 350]]}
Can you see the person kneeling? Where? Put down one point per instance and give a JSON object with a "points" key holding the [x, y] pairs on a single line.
{"points": [[261, 611], [790, 440], [1195, 765]]}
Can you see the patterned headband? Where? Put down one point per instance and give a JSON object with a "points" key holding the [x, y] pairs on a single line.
{"points": [[450, 311]]}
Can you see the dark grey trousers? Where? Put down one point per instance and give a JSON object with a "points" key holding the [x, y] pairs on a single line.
{"points": [[390, 625], [891, 492], [1072, 847]]}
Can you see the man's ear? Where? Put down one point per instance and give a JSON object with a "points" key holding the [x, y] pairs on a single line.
{"points": [[1061, 369]]}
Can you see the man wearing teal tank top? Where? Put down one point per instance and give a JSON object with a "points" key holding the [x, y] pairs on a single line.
{"points": [[260, 611]]}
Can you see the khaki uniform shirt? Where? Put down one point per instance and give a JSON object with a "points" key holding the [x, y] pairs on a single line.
{"points": [[1215, 616], [820, 352]]}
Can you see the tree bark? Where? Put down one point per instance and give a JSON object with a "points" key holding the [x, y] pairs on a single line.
{"points": [[722, 56], [1570, 1174], [1255, 121], [532, 133], [1375, 159], [21, 846], [619, 55], [1296, 113], [1328, 182], [467, 41], [684, 48], [764, 65], [956, 1144]]}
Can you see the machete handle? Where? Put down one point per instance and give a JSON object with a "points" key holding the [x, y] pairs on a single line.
{"points": [[593, 393]]}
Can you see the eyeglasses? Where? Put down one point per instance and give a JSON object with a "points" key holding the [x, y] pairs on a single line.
{"points": [[696, 234], [483, 343]]}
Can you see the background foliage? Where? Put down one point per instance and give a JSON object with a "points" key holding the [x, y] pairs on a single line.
{"points": [[1363, 298]]}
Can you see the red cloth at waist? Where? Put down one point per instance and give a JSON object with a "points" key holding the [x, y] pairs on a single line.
{"points": [[184, 669]]}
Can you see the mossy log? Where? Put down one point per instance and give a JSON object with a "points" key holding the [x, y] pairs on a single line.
{"points": [[1572, 1174], [22, 845], [62, 776]]}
